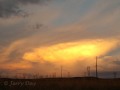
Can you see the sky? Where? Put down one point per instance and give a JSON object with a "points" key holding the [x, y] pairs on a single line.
{"points": [[40, 36]]}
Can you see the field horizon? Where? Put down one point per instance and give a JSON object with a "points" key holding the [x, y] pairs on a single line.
{"points": [[72, 83]]}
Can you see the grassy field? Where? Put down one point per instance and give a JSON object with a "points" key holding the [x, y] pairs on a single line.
{"points": [[76, 83]]}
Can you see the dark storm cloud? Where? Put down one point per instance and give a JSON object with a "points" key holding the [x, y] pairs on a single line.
{"points": [[11, 7], [8, 7], [29, 1]]}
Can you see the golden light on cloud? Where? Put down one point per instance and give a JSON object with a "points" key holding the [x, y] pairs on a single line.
{"points": [[68, 52], [14, 66]]}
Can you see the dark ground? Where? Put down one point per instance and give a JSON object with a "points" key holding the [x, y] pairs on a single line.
{"points": [[76, 83]]}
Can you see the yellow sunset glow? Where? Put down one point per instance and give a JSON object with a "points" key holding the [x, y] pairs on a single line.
{"points": [[70, 51]]}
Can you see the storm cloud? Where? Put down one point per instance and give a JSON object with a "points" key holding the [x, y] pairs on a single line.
{"points": [[12, 7]]}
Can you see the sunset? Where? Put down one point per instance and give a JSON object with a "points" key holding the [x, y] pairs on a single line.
{"points": [[59, 38], [71, 51]]}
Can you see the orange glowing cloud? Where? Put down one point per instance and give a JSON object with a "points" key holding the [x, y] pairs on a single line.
{"points": [[68, 52], [14, 66]]}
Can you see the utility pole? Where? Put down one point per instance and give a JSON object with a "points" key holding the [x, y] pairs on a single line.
{"points": [[88, 71], [115, 74], [96, 67], [61, 71], [68, 74]]}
